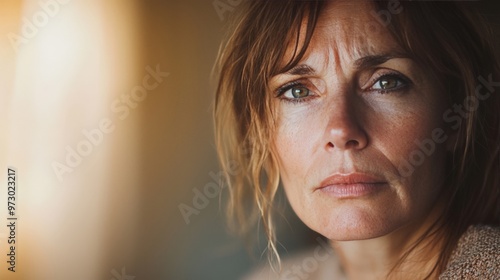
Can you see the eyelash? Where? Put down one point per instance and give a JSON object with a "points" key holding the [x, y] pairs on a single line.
{"points": [[406, 82]]}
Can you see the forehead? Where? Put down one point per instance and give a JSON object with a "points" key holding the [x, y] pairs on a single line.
{"points": [[346, 31]]}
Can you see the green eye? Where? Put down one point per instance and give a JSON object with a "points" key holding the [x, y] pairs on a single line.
{"points": [[295, 92], [299, 92]]}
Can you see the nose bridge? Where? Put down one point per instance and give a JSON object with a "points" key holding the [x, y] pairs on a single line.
{"points": [[345, 129], [340, 109]]}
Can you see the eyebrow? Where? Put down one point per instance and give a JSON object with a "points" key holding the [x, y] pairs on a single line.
{"points": [[374, 60], [361, 63], [301, 69]]}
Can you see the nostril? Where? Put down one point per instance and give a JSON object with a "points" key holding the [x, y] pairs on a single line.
{"points": [[351, 144], [330, 145]]}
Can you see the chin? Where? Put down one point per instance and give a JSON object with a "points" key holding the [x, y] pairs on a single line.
{"points": [[354, 233], [354, 224]]}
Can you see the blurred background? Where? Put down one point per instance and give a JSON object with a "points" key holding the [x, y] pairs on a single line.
{"points": [[107, 119]]}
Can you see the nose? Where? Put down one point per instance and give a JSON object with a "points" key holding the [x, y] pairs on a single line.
{"points": [[345, 128]]}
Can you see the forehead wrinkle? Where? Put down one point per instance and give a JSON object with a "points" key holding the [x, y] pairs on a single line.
{"points": [[335, 53], [343, 25], [340, 38]]}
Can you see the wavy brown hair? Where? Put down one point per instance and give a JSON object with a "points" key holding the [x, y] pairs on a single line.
{"points": [[450, 39]]}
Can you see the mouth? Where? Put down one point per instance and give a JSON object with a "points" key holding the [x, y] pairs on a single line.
{"points": [[351, 185]]}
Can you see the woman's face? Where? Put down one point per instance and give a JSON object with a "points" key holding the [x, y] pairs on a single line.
{"points": [[350, 115]]}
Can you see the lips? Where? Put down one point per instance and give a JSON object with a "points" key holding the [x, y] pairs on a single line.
{"points": [[351, 185]]}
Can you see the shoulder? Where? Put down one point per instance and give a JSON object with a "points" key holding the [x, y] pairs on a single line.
{"points": [[477, 255], [314, 263]]}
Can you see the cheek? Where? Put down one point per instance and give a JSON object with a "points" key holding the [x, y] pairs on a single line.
{"points": [[399, 130], [395, 136], [298, 142], [406, 141]]}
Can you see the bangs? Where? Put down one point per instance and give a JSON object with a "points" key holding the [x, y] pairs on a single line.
{"points": [[299, 36]]}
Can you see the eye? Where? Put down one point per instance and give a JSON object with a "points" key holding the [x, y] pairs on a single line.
{"points": [[390, 82], [294, 92], [297, 92]]}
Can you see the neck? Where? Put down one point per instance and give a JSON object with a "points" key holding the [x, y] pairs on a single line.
{"points": [[376, 258]]}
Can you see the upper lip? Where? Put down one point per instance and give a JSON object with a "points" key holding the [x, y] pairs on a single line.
{"points": [[349, 179]]}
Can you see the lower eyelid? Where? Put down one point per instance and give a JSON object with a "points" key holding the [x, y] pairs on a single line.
{"points": [[297, 100]]}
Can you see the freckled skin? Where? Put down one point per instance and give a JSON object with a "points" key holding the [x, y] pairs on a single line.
{"points": [[346, 128]]}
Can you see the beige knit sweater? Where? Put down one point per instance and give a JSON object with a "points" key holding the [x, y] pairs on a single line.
{"points": [[477, 256]]}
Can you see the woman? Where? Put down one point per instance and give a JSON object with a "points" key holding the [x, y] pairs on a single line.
{"points": [[380, 119]]}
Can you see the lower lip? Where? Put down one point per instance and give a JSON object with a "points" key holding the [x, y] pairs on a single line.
{"points": [[353, 190]]}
